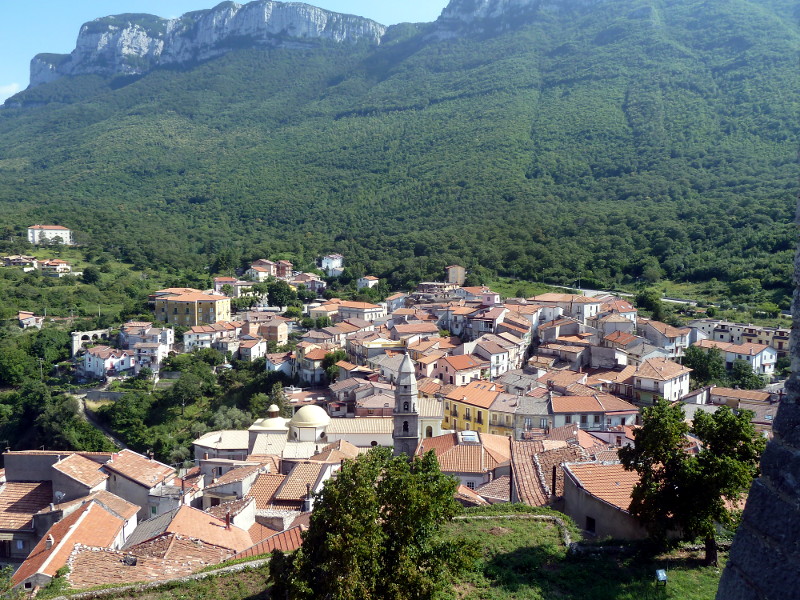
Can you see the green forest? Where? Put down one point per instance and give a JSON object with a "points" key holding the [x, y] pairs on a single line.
{"points": [[632, 142]]}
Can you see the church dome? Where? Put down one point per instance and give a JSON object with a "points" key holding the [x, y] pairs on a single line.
{"points": [[310, 416], [270, 424]]}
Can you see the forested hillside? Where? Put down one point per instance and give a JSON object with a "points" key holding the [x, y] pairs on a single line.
{"points": [[632, 141]]}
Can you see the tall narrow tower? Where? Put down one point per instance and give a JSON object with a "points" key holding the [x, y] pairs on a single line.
{"points": [[406, 418]]}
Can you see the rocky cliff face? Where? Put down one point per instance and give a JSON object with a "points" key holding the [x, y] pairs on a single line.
{"points": [[134, 44]]}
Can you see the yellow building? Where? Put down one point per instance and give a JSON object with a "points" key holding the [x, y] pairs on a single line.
{"points": [[480, 406], [190, 308]]}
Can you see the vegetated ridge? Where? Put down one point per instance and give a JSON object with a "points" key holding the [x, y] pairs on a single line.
{"points": [[615, 141]]}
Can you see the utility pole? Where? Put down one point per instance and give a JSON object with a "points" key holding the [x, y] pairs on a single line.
{"points": [[41, 368]]}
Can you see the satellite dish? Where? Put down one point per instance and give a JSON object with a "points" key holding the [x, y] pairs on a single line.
{"points": [[59, 496]]}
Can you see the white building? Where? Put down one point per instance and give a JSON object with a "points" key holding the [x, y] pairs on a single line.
{"points": [[660, 377], [103, 360], [367, 282], [332, 264], [44, 234]]}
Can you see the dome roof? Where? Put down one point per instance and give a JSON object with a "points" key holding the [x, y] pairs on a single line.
{"points": [[271, 424], [310, 416]]}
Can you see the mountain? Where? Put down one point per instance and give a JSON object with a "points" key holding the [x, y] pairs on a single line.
{"points": [[137, 43], [616, 141]]}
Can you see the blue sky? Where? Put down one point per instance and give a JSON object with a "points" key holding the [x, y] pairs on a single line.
{"points": [[28, 28]]}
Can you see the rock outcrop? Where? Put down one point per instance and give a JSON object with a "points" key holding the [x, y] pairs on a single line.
{"points": [[136, 43]]}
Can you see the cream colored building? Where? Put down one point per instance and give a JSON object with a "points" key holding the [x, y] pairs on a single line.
{"points": [[192, 308]]}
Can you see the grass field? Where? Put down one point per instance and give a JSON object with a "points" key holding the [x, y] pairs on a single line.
{"points": [[526, 560]]}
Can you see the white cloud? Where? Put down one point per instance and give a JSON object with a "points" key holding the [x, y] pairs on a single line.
{"points": [[6, 91]]}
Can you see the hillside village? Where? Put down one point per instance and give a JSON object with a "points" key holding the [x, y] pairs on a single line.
{"points": [[523, 400]]}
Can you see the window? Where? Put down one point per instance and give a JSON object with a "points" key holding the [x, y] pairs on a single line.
{"points": [[405, 406], [597, 420], [543, 423], [584, 419], [20, 544], [405, 426], [154, 509], [471, 485], [567, 419]]}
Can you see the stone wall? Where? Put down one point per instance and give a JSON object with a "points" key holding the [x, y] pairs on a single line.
{"points": [[764, 562]]}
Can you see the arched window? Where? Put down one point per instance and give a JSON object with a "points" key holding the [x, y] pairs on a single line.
{"points": [[405, 406], [429, 431], [405, 426]]}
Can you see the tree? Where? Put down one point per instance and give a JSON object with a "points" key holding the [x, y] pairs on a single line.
{"points": [[376, 533], [650, 299], [721, 473], [678, 491], [708, 366], [91, 275], [329, 363], [742, 376], [280, 294], [278, 397]]}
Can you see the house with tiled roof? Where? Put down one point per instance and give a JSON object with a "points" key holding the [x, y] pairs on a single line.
{"points": [[285, 541], [360, 310], [141, 480], [472, 457], [117, 506], [19, 502], [597, 411], [39, 235], [461, 369], [466, 407], [537, 473], [76, 476], [101, 361], [91, 525], [598, 497], [760, 357], [575, 306], [195, 524], [190, 308], [660, 377], [27, 320], [673, 339], [232, 485], [308, 362]]}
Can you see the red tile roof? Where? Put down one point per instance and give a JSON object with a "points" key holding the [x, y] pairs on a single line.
{"points": [[83, 470], [20, 501], [610, 483], [286, 541], [90, 525], [138, 468]]}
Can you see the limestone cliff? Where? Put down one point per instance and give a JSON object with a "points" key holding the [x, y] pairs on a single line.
{"points": [[136, 43]]}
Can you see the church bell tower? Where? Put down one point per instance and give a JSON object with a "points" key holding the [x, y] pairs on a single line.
{"points": [[406, 432]]}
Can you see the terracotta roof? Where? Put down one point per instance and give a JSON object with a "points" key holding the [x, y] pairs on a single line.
{"points": [[195, 297], [336, 452], [477, 393], [468, 497], [562, 378], [91, 566], [90, 525], [668, 330], [427, 385], [556, 457], [83, 470], [259, 532], [193, 523], [361, 425], [753, 395], [523, 468], [264, 488], [455, 457], [590, 404], [748, 348], [358, 305], [621, 337], [286, 541], [49, 227], [315, 354], [661, 369], [611, 483], [138, 468], [111, 502], [20, 501], [464, 362], [294, 486], [497, 489], [556, 297]]}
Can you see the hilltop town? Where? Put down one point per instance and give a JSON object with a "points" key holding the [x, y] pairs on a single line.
{"points": [[523, 400]]}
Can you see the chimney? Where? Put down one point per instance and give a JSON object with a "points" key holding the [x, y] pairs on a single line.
{"points": [[228, 520], [205, 455], [49, 542], [553, 489], [52, 506]]}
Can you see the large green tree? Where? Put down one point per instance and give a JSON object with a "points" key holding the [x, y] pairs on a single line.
{"points": [[376, 533], [687, 492], [708, 366]]}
